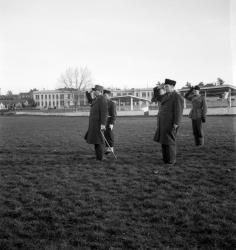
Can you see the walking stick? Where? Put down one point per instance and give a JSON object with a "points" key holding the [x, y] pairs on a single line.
{"points": [[108, 144]]}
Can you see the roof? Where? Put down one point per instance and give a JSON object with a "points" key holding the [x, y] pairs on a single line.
{"points": [[51, 92], [214, 90], [129, 97], [219, 87]]}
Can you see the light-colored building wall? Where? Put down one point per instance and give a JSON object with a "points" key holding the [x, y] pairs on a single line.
{"points": [[53, 98], [146, 93]]}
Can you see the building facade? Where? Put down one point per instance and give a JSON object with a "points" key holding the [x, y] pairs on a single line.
{"points": [[59, 99], [127, 99]]}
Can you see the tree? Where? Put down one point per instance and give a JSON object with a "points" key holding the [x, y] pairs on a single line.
{"points": [[219, 81], [9, 93], [201, 84], [188, 84], [76, 80]]}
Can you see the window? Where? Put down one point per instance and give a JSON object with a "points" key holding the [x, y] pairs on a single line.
{"points": [[143, 94], [41, 96], [46, 96], [49, 96], [62, 102], [61, 96], [57, 96], [137, 94], [53, 96], [118, 94], [37, 97], [68, 96]]}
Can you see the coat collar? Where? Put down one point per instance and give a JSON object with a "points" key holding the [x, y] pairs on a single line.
{"points": [[167, 97]]}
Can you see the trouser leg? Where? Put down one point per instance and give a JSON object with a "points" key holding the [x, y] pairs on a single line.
{"points": [[164, 153], [198, 131], [169, 153], [195, 132], [99, 151], [109, 137]]}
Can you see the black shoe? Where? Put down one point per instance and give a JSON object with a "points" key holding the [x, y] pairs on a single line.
{"points": [[170, 163]]}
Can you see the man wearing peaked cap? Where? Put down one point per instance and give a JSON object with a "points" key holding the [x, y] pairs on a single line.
{"points": [[109, 132], [98, 87], [197, 114], [168, 120], [97, 121], [169, 82]]}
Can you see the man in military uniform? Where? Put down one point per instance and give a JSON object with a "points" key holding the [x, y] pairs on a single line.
{"points": [[109, 134], [97, 121], [197, 113], [168, 120]]}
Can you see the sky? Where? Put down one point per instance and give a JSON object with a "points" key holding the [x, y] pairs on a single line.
{"points": [[124, 43]]}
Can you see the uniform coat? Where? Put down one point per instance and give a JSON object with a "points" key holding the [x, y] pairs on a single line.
{"points": [[170, 113], [199, 107], [111, 112], [97, 117], [197, 114]]}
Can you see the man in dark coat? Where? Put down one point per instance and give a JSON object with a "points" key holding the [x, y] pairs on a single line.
{"points": [[97, 121], [168, 120], [197, 113], [109, 134]]}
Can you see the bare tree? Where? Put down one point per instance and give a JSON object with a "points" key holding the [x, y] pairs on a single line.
{"points": [[76, 80], [188, 84], [219, 81], [9, 93]]}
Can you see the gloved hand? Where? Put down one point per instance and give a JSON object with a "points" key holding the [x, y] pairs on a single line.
{"points": [[111, 126], [175, 126], [203, 119], [103, 127]]}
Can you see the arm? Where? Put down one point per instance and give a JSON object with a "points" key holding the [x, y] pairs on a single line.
{"points": [[89, 97], [158, 94], [204, 109], [188, 95], [178, 110], [103, 110], [113, 113]]}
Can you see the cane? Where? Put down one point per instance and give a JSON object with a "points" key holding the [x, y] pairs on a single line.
{"points": [[108, 144]]}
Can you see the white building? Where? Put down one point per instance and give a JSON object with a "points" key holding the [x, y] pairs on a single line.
{"points": [[60, 99], [53, 99]]}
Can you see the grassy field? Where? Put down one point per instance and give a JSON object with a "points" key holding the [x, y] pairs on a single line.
{"points": [[54, 195]]}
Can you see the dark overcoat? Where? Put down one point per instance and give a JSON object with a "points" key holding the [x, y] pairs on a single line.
{"points": [[170, 113], [97, 117]]}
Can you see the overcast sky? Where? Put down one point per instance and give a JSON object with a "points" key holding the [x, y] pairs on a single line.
{"points": [[124, 43]]}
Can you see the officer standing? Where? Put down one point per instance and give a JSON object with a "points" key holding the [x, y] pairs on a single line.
{"points": [[168, 120], [97, 121], [197, 113], [109, 134]]}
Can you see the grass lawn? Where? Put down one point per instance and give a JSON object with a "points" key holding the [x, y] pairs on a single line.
{"points": [[54, 195]]}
